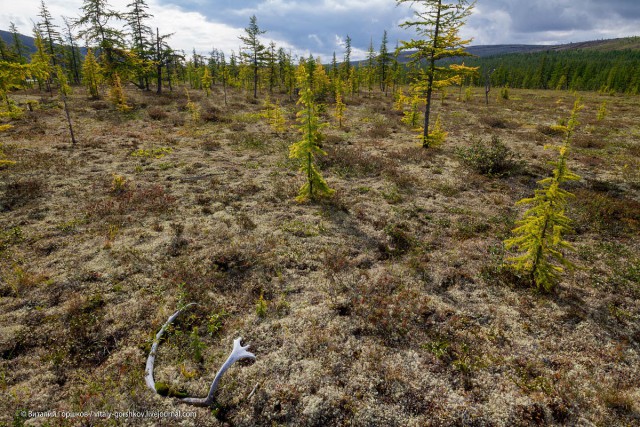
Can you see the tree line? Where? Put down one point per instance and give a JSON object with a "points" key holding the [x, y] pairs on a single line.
{"points": [[141, 55], [589, 70]]}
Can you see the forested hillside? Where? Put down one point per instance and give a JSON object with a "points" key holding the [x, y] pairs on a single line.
{"points": [[617, 71]]}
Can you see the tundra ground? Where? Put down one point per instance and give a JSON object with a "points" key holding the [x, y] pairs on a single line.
{"points": [[387, 305]]}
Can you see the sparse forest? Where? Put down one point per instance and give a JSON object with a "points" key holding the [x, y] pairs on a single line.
{"points": [[398, 244]]}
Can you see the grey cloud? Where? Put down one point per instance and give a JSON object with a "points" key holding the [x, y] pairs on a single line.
{"points": [[312, 25], [309, 25]]}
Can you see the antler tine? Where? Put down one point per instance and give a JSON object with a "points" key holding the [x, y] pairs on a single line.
{"points": [[239, 352], [151, 359]]}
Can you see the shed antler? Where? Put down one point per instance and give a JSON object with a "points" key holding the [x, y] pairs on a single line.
{"points": [[238, 352]]}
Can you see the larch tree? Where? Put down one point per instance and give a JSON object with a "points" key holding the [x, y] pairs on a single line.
{"points": [[117, 95], [283, 65], [206, 81], [163, 57], [49, 32], [396, 68], [370, 73], [272, 62], [538, 236], [97, 31], [437, 22], [142, 45], [308, 148], [334, 68], [72, 52], [321, 81], [225, 76], [91, 74], [384, 60], [41, 63], [346, 65], [340, 106], [5, 53], [12, 76], [254, 50], [18, 46]]}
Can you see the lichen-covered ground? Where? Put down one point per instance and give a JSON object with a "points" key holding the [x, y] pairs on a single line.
{"points": [[387, 305]]}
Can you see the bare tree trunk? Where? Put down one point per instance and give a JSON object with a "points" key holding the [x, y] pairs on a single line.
{"points": [[224, 88], [487, 89], [487, 86], [66, 110], [255, 76], [159, 67]]}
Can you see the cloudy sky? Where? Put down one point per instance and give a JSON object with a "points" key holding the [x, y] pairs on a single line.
{"points": [[320, 26]]}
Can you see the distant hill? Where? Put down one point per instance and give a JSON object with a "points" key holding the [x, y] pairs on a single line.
{"points": [[610, 45], [29, 42]]}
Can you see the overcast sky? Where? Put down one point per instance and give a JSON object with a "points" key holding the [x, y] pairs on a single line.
{"points": [[320, 26]]}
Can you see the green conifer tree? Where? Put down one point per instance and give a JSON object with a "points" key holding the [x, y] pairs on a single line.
{"points": [[272, 65], [142, 45], [12, 76], [255, 51], [41, 63], [308, 148], [400, 100], [5, 53], [538, 235], [340, 105], [346, 64], [412, 115], [384, 59], [118, 97], [602, 111], [334, 68], [49, 32], [95, 27], [277, 120], [206, 80], [370, 71], [438, 22], [91, 74], [72, 52], [18, 47]]}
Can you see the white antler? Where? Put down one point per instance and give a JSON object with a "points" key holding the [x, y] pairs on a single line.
{"points": [[239, 352]]}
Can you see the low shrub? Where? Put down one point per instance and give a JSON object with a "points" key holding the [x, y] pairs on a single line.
{"points": [[489, 158], [213, 115], [157, 113], [379, 129]]}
